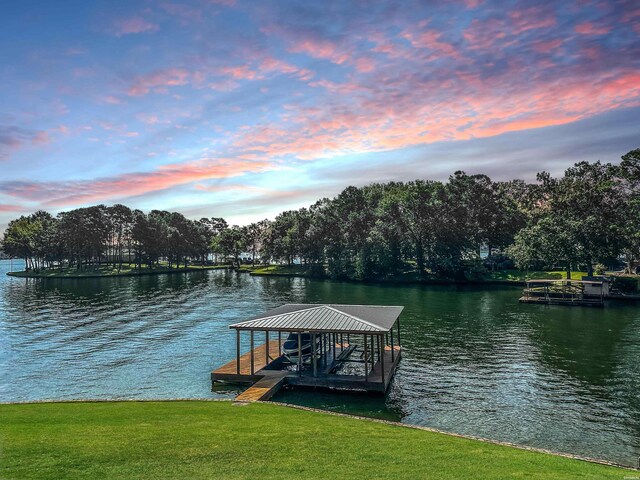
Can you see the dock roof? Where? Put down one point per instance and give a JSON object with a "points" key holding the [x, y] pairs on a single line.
{"points": [[325, 318]]}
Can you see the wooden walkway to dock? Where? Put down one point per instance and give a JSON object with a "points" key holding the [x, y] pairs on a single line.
{"points": [[264, 388]]}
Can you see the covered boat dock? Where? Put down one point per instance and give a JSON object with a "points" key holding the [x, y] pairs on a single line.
{"points": [[359, 347]]}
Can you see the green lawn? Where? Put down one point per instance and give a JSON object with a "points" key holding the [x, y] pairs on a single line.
{"points": [[222, 440], [276, 269], [521, 275], [110, 271], [502, 275]]}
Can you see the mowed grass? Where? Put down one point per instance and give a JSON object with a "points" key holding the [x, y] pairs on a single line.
{"points": [[192, 439], [409, 276], [521, 275], [127, 270], [276, 269]]}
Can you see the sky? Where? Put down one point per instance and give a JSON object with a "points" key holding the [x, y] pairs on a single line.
{"points": [[245, 109]]}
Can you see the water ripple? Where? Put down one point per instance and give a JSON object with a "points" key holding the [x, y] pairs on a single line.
{"points": [[474, 362]]}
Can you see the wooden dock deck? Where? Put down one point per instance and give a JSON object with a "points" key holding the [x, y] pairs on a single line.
{"points": [[578, 302], [269, 376]]}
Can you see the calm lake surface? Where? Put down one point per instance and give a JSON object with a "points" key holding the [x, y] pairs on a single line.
{"points": [[475, 361]]}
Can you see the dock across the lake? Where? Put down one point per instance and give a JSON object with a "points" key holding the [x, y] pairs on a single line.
{"points": [[354, 353], [565, 292]]}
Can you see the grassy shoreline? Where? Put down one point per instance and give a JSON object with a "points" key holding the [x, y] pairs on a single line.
{"points": [[101, 272], [220, 439], [503, 277]]}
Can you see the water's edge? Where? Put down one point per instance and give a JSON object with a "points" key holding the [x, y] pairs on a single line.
{"points": [[346, 415]]}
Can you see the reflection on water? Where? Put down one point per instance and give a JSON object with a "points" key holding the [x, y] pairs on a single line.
{"points": [[475, 361]]}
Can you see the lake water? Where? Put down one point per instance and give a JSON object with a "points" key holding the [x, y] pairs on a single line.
{"points": [[475, 361]]}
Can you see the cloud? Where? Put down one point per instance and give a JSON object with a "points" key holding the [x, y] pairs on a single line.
{"points": [[505, 29], [10, 208], [158, 81], [299, 83], [68, 193], [13, 137], [471, 110], [324, 49], [518, 154], [548, 46], [431, 40], [133, 25], [588, 28], [112, 100]]}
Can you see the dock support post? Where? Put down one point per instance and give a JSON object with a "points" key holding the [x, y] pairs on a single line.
{"points": [[399, 342], [366, 361], [382, 364], [279, 342], [299, 354], [392, 347], [314, 359], [373, 353], [252, 355], [325, 349], [266, 337], [238, 352], [334, 346]]}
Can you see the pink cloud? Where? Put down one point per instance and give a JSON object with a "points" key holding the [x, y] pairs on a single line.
{"points": [[340, 88], [323, 49], [532, 18], [241, 72], [8, 208], [158, 81], [471, 109], [273, 65], [40, 138], [588, 28], [365, 64], [431, 40], [112, 100], [148, 118], [133, 25], [504, 31], [547, 46], [13, 138], [65, 193]]}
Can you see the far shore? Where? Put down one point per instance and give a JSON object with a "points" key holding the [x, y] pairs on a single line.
{"points": [[512, 277], [74, 273]]}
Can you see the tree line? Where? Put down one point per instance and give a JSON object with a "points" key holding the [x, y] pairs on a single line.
{"points": [[589, 216]]}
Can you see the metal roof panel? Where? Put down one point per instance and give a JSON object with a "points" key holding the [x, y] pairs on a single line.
{"points": [[325, 317]]}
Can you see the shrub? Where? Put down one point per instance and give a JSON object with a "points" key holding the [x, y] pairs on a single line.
{"points": [[625, 284]]}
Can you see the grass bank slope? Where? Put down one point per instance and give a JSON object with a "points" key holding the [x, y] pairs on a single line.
{"points": [[221, 440]]}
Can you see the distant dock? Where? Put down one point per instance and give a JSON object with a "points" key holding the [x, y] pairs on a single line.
{"points": [[359, 349], [581, 293]]}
